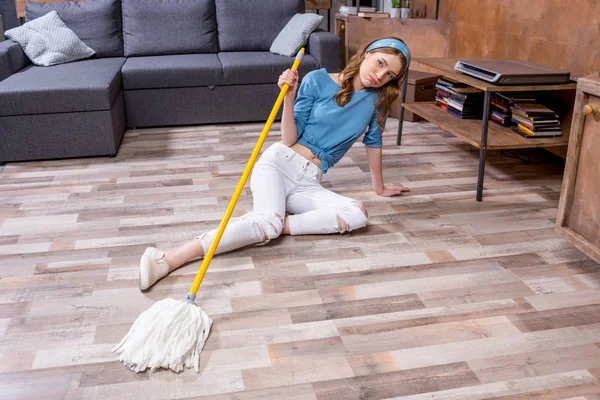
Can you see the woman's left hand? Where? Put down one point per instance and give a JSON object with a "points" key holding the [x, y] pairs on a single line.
{"points": [[389, 191]]}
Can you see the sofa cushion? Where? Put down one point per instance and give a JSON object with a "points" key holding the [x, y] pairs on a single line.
{"points": [[97, 23], [260, 67], [88, 85], [48, 41], [158, 27], [252, 25], [183, 70]]}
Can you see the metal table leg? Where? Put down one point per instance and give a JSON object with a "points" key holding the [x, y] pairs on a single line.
{"points": [[482, 150], [329, 20], [401, 119]]}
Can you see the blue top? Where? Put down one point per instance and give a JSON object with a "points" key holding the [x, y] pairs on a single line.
{"points": [[327, 129]]}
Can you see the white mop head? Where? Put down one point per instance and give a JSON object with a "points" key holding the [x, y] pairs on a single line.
{"points": [[170, 334]]}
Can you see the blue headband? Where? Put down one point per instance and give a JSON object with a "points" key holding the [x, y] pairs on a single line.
{"points": [[393, 43]]}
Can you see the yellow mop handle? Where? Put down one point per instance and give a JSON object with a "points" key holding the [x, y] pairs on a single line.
{"points": [[238, 190]]}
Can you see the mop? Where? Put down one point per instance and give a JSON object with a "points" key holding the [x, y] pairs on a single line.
{"points": [[171, 334]]}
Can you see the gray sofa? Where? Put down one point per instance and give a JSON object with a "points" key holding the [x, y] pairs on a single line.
{"points": [[157, 63]]}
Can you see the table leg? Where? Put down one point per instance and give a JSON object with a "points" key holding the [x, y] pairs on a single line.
{"points": [[329, 20], [401, 118], [482, 150]]}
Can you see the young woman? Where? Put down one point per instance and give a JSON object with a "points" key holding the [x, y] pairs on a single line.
{"points": [[318, 126]]}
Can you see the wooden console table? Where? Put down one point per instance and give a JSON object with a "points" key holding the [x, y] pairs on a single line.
{"points": [[578, 217], [479, 133]]}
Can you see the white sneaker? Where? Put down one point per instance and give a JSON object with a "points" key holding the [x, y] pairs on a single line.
{"points": [[152, 267]]}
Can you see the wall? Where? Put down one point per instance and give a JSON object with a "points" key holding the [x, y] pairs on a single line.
{"points": [[558, 33]]}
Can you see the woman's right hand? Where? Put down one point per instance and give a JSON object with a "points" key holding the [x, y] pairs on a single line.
{"points": [[291, 78]]}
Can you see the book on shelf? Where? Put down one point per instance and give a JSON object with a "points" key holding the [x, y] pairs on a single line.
{"points": [[461, 105], [346, 10], [521, 112], [535, 119], [517, 97], [500, 118], [518, 119], [451, 83], [501, 106], [373, 14], [526, 133], [533, 110]]}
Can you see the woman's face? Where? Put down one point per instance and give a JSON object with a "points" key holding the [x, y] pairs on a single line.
{"points": [[379, 68]]}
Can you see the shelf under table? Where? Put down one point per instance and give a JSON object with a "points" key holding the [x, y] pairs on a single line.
{"points": [[469, 130]]}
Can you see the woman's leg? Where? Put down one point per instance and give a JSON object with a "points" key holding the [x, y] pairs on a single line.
{"points": [[317, 210], [263, 224]]}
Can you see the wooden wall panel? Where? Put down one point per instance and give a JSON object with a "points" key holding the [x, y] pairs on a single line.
{"points": [[552, 32], [20, 5], [425, 38], [423, 8]]}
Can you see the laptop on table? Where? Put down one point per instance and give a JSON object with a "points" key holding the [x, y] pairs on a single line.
{"points": [[512, 72]]}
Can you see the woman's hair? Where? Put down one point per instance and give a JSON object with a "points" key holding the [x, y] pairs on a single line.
{"points": [[388, 93]]}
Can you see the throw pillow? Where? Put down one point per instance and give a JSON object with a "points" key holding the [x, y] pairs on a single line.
{"points": [[97, 23], [295, 34], [48, 41]]}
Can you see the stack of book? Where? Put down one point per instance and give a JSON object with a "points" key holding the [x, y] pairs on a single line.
{"points": [[373, 14], [346, 10], [461, 104], [500, 107], [535, 120]]}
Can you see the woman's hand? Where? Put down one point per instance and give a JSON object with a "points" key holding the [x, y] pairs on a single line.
{"points": [[390, 191], [291, 78]]}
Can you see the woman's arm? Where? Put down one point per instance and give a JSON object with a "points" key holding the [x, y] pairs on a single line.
{"points": [[296, 110], [374, 154], [374, 144], [289, 132]]}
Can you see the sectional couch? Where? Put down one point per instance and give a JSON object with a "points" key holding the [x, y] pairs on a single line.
{"points": [[157, 63]]}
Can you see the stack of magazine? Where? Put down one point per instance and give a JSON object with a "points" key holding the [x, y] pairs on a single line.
{"points": [[461, 104], [535, 120]]}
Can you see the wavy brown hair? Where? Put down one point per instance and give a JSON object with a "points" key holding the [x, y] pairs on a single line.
{"points": [[388, 93]]}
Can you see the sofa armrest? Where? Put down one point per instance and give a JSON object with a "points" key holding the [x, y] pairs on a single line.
{"points": [[12, 58], [326, 48]]}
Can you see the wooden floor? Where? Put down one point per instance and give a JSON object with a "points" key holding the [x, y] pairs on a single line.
{"points": [[439, 297]]}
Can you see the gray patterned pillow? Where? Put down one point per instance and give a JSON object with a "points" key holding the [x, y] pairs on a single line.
{"points": [[295, 34], [48, 41]]}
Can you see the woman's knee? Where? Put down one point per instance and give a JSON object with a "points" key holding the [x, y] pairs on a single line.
{"points": [[352, 217], [268, 227]]}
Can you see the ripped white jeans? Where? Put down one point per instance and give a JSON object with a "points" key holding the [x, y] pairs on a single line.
{"points": [[284, 181]]}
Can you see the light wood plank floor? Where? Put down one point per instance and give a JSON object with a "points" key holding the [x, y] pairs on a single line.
{"points": [[439, 297]]}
